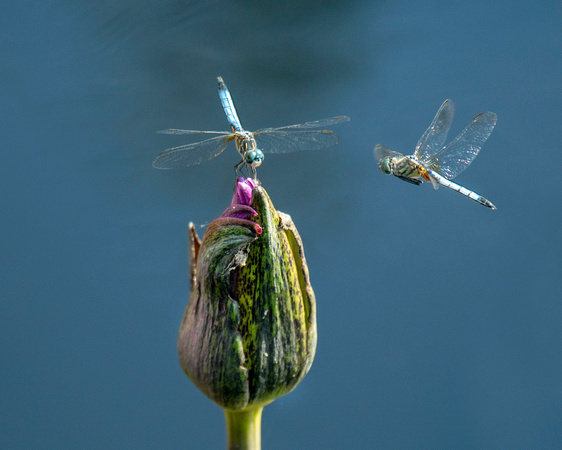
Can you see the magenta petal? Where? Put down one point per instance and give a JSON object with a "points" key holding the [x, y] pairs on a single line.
{"points": [[243, 191], [239, 211], [229, 221]]}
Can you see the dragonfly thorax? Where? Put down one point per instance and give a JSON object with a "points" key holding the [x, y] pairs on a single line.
{"points": [[397, 165], [406, 166], [246, 145], [245, 142]]}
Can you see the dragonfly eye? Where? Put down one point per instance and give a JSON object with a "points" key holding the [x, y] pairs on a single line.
{"points": [[254, 158], [384, 165]]}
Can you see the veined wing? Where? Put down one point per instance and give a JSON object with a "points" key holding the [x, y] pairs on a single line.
{"points": [[192, 154], [381, 151], [286, 142], [460, 152], [292, 138], [308, 125], [175, 131], [433, 139]]}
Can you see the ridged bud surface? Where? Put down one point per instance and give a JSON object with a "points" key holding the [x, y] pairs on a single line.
{"points": [[248, 334]]}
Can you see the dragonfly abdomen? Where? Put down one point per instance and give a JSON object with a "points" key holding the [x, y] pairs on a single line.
{"points": [[462, 190], [228, 106]]}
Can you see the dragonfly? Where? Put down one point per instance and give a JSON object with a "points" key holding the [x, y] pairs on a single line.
{"points": [[436, 163], [305, 136]]}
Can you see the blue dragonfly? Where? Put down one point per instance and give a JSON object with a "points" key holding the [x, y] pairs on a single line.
{"points": [[436, 163], [305, 136]]}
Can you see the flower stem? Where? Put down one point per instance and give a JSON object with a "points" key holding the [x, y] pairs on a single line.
{"points": [[243, 429]]}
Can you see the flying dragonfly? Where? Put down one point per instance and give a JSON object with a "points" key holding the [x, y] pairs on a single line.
{"points": [[305, 136], [436, 163]]}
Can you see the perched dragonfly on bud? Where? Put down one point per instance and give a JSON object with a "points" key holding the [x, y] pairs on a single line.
{"points": [[305, 136], [436, 163]]}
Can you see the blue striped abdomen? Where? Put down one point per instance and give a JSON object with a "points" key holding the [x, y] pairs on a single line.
{"points": [[461, 190]]}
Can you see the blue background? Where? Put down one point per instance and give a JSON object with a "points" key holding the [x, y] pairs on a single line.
{"points": [[439, 320]]}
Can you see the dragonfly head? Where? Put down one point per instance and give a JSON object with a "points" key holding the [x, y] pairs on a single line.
{"points": [[254, 158], [384, 165]]}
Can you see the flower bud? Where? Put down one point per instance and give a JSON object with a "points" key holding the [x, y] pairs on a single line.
{"points": [[248, 334]]}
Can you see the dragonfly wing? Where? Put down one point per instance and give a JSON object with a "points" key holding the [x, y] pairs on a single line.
{"points": [[459, 153], [175, 131], [434, 137], [286, 141], [191, 154], [381, 151], [307, 125]]}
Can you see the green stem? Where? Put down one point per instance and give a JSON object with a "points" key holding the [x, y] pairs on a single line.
{"points": [[243, 429]]}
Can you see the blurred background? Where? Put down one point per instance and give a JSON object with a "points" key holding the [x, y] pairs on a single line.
{"points": [[439, 319]]}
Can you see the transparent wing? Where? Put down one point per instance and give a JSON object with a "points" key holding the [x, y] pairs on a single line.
{"points": [[298, 137], [459, 153], [434, 137], [175, 131], [307, 125], [381, 151], [292, 141], [191, 154]]}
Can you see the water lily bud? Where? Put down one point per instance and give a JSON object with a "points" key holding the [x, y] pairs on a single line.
{"points": [[248, 334]]}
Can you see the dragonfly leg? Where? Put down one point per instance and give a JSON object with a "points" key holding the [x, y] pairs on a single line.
{"points": [[410, 180], [236, 167], [427, 177]]}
